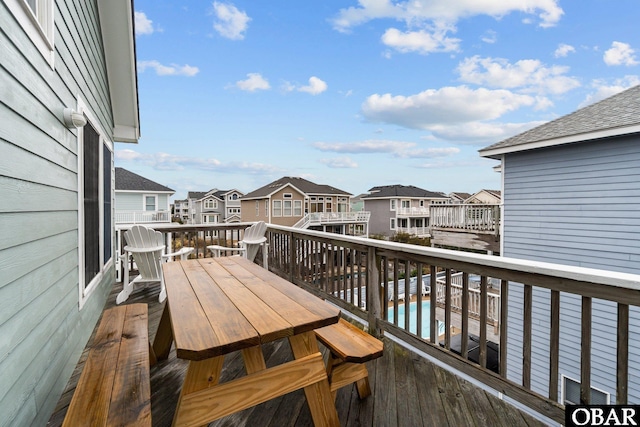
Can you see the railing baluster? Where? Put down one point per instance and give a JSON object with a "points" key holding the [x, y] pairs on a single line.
{"points": [[554, 345], [504, 311], [447, 310], [585, 351], [622, 373], [483, 321], [464, 348], [433, 294], [526, 336]]}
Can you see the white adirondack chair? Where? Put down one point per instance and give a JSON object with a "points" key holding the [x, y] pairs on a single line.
{"points": [[147, 247], [253, 238]]}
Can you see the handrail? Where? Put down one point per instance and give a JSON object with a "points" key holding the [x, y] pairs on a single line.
{"points": [[357, 273]]}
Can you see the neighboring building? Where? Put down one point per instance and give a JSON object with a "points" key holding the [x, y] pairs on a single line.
{"points": [[180, 210], [400, 209], [65, 102], [485, 197], [571, 196], [292, 201], [458, 197], [140, 200], [210, 207]]}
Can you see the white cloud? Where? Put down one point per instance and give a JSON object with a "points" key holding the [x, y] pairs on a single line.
{"points": [[230, 22], [416, 12], [605, 89], [166, 161], [476, 133], [529, 75], [421, 41], [620, 54], [339, 163], [448, 105], [315, 87], [400, 149], [143, 25], [168, 70], [563, 50], [253, 82], [490, 37]]}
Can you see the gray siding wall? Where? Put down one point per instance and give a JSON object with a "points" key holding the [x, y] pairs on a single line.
{"points": [[42, 330], [576, 205], [135, 201], [379, 222]]}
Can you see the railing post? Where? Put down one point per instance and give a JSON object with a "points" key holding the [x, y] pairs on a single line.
{"points": [[373, 292]]}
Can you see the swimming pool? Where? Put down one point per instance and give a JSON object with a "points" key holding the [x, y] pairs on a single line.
{"points": [[413, 318]]}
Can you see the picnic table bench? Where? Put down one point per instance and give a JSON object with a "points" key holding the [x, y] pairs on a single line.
{"points": [[349, 348], [114, 387]]}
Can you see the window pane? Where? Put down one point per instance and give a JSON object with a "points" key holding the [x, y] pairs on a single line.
{"points": [[150, 203], [106, 171], [91, 170]]}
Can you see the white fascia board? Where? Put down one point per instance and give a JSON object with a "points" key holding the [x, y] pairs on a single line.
{"points": [[116, 23], [581, 137]]}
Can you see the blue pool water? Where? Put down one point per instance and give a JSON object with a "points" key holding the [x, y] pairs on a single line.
{"points": [[413, 318]]}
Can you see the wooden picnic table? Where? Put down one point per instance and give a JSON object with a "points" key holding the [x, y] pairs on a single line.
{"points": [[216, 306]]}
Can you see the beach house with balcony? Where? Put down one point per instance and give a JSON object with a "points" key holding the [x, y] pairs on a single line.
{"points": [[400, 209], [571, 195], [68, 93], [210, 207], [294, 201], [140, 200]]}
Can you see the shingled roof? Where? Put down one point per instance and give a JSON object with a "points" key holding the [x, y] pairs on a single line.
{"points": [[129, 181], [301, 184], [397, 190], [614, 116]]}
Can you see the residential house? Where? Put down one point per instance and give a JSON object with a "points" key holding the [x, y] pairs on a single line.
{"points": [[485, 197], [213, 206], [458, 197], [140, 200], [293, 201], [180, 210], [571, 195], [400, 209], [68, 93]]}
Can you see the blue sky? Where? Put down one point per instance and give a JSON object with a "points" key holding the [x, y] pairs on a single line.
{"points": [[357, 94]]}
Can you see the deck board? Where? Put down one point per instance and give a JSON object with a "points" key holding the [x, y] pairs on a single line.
{"points": [[407, 390]]}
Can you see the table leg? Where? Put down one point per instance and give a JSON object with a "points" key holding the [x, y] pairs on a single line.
{"points": [[254, 359], [200, 375], [164, 336], [319, 398]]}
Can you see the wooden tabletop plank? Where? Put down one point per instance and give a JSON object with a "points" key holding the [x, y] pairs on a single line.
{"points": [[269, 324], [280, 298], [233, 330], [329, 313], [191, 328]]}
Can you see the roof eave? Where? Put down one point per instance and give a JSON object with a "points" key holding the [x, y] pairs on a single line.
{"points": [[496, 153], [116, 23]]}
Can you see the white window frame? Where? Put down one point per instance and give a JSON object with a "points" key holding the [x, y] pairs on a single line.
{"points": [[287, 208], [210, 204], [297, 208], [277, 208], [257, 207], [406, 202], [38, 25], [85, 292], [392, 204], [155, 203], [287, 195], [563, 390], [206, 218], [392, 223]]}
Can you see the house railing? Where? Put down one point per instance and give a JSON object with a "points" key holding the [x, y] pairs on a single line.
{"points": [[323, 218], [415, 211], [474, 217], [415, 231], [365, 277], [360, 274], [141, 217]]}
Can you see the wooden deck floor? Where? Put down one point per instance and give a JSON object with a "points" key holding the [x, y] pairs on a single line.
{"points": [[408, 390]]}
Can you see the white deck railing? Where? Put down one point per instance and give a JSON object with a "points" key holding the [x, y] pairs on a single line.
{"points": [[142, 217], [466, 217]]}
